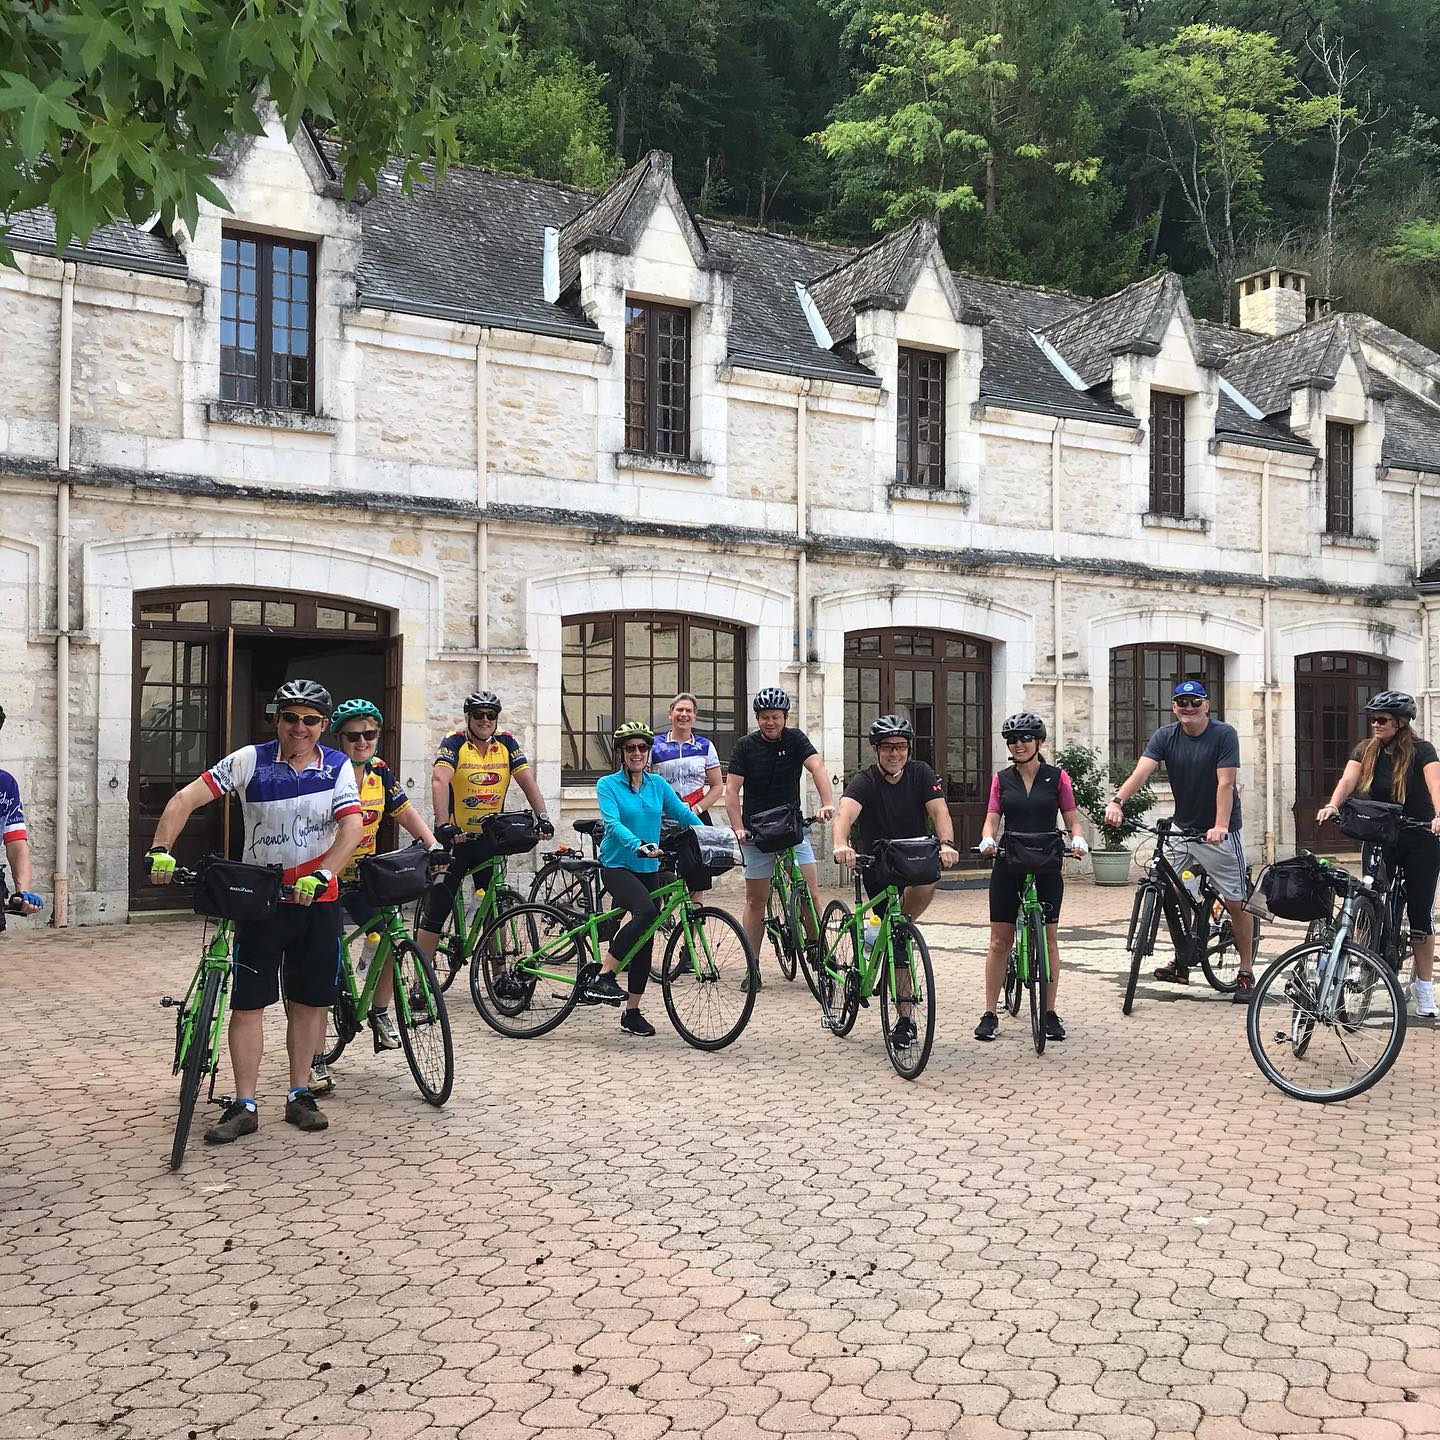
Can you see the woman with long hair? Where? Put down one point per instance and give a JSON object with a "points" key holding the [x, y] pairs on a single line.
{"points": [[1395, 765]]}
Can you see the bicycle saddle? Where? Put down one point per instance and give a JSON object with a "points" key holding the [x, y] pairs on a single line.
{"points": [[593, 828]]}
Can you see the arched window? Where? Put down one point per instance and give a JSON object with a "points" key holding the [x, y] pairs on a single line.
{"points": [[1141, 679], [628, 665]]}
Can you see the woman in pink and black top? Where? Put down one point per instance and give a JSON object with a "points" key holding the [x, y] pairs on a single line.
{"points": [[1027, 797]]}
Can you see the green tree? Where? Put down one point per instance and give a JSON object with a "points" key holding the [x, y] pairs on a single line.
{"points": [[543, 117], [112, 108]]}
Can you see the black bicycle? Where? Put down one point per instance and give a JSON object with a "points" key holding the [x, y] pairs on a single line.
{"points": [[568, 879], [1193, 911]]}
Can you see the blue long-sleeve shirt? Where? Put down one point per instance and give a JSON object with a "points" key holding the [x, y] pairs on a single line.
{"points": [[632, 818]]}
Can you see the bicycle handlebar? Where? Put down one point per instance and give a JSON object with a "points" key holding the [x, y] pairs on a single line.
{"points": [[1165, 829]]}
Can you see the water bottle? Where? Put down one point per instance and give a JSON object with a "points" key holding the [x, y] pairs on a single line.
{"points": [[871, 933], [1192, 885]]}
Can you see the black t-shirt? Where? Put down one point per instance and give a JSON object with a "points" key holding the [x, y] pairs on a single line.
{"points": [[1418, 805], [771, 769], [894, 811], [1192, 763]]}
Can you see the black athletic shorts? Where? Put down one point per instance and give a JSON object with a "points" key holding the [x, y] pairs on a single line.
{"points": [[1008, 886], [303, 942]]}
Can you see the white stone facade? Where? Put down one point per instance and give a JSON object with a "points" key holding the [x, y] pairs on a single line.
{"points": [[441, 444]]}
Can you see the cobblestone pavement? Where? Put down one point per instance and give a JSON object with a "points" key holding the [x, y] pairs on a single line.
{"points": [[1131, 1237]]}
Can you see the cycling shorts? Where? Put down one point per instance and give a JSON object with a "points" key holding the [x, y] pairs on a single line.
{"points": [[300, 942], [1007, 889]]}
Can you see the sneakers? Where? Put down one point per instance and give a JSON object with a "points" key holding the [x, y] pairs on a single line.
{"points": [[301, 1112], [988, 1028], [1173, 974], [605, 991], [752, 980], [1054, 1026], [903, 1033], [632, 1022], [239, 1119], [1244, 988], [321, 1080], [387, 1033], [1422, 992]]}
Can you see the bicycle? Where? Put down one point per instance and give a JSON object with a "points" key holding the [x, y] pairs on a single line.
{"points": [[543, 957], [420, 1013], [1027, 970], [567, 879], [1334, 994], [844, 973], [791, 922], [1198, 922]]}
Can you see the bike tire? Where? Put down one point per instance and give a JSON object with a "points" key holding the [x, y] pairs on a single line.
{"points": [[567, 890], [798, 939], [424, 1024], [195, 1063], [777, 928], [1035, 979], [341, 1028], [705, 993], [910, 1060], [1295, 1004], [511, 938], [1220, 959], [1143, 929], [838, 976], [1013, 987]]}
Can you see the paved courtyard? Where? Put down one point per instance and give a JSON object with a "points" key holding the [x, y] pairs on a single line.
{"points": [[1134, 1236]]}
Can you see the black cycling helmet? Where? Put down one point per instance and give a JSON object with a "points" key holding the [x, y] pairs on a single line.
{"points": [[302, 692], [482, 700], [891, 727], [772, 697], [1391, 702], [1023, 726]]}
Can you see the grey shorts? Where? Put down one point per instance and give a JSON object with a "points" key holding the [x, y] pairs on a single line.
{"points": [[760, 866], [1223, 863]]}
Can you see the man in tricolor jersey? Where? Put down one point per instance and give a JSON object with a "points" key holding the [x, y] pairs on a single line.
{"points": [[688, 761], [301, 811]]}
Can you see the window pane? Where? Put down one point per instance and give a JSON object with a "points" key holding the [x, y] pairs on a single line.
{"points": [[196, 612], [1167, 454], [244, 612], [327, 618], [279, 612]]}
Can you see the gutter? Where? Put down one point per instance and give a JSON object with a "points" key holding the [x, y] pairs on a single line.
{"points": [[1060, 412], [61, 882], [108, 259], [739, 360], [473, 315]]}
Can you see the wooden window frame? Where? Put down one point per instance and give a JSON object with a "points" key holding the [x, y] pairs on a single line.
{"points": [[1140, 716], [1339, 478], [1167, 454], [917, 370], [643, 386], [264, 352]]}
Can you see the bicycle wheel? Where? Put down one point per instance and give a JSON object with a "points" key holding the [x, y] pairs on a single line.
{"points": [[777, 929], [527, 987], [1035, 978], [706, 996], [1310, 1056], [1144, 926], [800, 909], [196, 1062], [911, 959], [424, 1024], [1013, 986], [1220, 960], [341, 1027], [837, 977], [567, 890]]}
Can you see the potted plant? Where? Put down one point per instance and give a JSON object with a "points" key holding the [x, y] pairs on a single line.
{"points": [[1095, 782]]}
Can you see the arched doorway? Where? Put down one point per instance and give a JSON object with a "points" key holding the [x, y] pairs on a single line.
{"points": [[1330, 694], [941, 681], [206, 663]]}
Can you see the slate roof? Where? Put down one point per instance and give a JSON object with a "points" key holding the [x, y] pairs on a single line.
{"points": [[121, 246], [1266, 373], [1138, 314], [1412, 433], [869, 276], [599, 220], [1411, 351]]}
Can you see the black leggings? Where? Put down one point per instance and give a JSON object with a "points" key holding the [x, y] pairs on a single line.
{"points": [[1418, 858], [633, 892]]}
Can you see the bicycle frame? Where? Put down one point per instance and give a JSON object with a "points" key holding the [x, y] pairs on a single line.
{"points": [[1030, 905], [887, 906], [392, 934], [216, 957], [1383, 880], [1187, 917], [470, 921]]}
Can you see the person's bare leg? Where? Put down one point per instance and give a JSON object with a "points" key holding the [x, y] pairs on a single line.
{"points": [[247, 1044], [1424, 956], [916, 900], [1052, 946], [304, 1039], [753, 920], [1002, 937], [1242, 924]]}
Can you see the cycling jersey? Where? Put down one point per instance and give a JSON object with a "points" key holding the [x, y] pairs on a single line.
{"points": [[684, 764], [12, 813], [481, 775], [381, 795], [289, 814]]}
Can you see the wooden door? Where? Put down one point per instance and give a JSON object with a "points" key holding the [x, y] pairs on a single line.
{"points": [[1330, 695]]}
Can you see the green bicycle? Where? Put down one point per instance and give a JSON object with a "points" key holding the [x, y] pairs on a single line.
{"points": [[420, 1013], [791, 921], [853, 964], [464, 921], [540, 958]]}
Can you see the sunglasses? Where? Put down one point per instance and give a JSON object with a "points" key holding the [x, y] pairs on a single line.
{"points": [[483, 714], [291, 718], [640, 749], [350, 737], [1383, 720], [1189, 702]]}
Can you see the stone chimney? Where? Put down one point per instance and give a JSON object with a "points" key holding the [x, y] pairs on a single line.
{"points": [[1273, 302]]}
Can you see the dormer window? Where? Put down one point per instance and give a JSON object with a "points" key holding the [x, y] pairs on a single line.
{"points": [[1339, 478], [1167, 454], [267, 322], [920, 419], [657, 379]]}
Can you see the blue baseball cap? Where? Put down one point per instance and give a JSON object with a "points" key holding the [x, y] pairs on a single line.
{"points": [[1190, 687]]}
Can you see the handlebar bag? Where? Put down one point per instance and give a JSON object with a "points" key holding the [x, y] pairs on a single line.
{"points": [[1040, 854], [702, 852], [1297, 889], [1373, 820], [511, 832], [908, 862], [395, 878], [232, 890], [772, 831]]}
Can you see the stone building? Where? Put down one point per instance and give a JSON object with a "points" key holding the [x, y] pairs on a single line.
{"points": [[587, 450]]}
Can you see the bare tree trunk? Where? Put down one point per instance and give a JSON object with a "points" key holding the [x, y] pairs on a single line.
{"points": [[1153, 248]]}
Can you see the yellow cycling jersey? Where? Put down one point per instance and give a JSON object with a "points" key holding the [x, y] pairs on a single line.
{"points": [[381, 794], [481, 775]]}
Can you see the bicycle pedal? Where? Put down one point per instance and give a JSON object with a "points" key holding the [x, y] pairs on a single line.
{"points": [[864, 1002]]}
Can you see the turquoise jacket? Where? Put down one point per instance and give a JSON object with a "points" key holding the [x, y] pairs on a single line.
{"points": [[632, 818]]}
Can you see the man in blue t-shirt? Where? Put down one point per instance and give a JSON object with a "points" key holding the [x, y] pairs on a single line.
{"points": [[1201, 757]]}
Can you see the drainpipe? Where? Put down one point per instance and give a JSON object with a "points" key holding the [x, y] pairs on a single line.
{"points": [[1269, 684], [802, 528], [1056, 447], [1419, 551], [61, 881], [482, 501]]}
